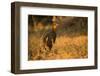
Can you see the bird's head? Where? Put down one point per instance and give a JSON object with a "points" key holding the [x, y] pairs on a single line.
{"points": [[54, 24]]}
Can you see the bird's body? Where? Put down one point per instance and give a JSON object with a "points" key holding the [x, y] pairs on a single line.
{"points": [[49, 39]]}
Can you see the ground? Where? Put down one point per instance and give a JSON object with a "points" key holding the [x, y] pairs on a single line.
{"points": [[64, 48]]}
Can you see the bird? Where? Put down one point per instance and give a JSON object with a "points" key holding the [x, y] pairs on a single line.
{"points": [[50, 37]]}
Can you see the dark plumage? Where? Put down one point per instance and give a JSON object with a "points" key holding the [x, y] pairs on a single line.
{"points": [[49, 39]]}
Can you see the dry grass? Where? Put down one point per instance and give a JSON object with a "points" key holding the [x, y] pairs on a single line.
{"points": [[65, 48]]}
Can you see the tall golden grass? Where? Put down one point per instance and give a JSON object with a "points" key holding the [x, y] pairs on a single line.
{"points": [[64, 48]]}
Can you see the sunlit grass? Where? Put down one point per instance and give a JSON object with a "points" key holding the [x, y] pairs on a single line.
{"points": [[64, 48]]}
